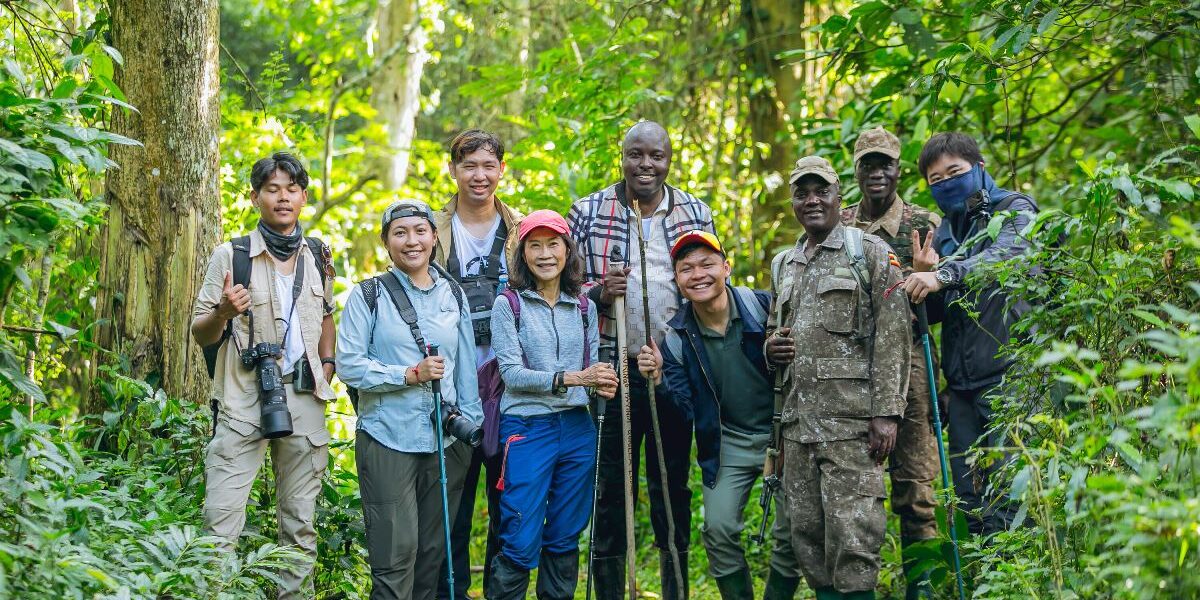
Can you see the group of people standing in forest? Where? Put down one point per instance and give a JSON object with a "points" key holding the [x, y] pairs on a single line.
{"points": [[497, 345]]}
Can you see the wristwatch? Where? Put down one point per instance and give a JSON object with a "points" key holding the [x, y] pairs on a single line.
{"points": [[560, 383], [944, 276]]}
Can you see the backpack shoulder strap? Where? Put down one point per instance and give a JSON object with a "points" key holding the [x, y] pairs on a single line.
{"points": [[241, 260], [241, 276], [673, 344], [514, 303], [1006, 203], [454, 286], [322, 258], [370, 292], [493, 270], [752, 304], [858, 258], [777, 267], [404, 306]]}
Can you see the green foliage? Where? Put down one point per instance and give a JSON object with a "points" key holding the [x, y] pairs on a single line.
{"points": [[1104, 418], [76, 523]]}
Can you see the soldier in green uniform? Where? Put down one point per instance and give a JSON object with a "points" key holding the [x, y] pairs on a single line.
{"points": [[914, 462], [846, 347]]}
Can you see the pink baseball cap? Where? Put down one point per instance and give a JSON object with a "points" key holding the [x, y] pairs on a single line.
{"points": [[543, 218]]}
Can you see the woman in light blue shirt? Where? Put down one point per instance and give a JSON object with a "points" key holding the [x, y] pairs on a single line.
{"points": [[547, 358], [395, 444]]}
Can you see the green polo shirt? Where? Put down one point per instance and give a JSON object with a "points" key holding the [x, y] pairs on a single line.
{"points": [[745, 395]]}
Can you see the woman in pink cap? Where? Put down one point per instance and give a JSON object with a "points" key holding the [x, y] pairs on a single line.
{"points": [[545, 336]]}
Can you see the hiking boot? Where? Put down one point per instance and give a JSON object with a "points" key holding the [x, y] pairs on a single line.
{"points": [[780, 586], [508, 581], [736, 586], [558, 574]]}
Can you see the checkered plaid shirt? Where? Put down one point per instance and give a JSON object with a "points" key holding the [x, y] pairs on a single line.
{"points": [[601, 222]]}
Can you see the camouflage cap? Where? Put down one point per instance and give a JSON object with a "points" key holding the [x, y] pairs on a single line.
{"points": [[876, 140], [814, 165]]}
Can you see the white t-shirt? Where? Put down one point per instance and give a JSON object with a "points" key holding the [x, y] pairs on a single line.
{"points": [[293, 349], [473, 255]]}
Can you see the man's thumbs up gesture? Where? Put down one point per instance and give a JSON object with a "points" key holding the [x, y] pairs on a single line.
{"points": [[235, 299]]}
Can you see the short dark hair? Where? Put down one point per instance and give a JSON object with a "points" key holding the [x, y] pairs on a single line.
{"points": [[950, 143], [690, 248], [283, 161], [570, 282], [472, 140]]}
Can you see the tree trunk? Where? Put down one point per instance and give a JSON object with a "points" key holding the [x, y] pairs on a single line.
{"points": [[774, 90], [164, 199], [396, 93]]}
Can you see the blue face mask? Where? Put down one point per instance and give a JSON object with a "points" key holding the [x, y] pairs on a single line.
{"points": [[951, 194]]}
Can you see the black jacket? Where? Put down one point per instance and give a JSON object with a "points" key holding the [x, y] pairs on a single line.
{"points": [[686, 379], [971, 357]]}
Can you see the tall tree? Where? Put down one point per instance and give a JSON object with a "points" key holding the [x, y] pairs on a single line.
{"points": [[773, 87], [164, 201], [396, 91]]}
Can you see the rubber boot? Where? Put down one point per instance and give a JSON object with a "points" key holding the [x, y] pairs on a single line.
{"points": [[865, 595], [557, 575], [508, 581], [608, 577], [827, 593], [780, 586], [666, 575], [736, 586], [918, 586]]}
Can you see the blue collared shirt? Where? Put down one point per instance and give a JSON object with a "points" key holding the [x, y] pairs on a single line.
{"points": [[374, 351]]}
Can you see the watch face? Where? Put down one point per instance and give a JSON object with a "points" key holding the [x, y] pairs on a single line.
{"points": [[943, 276]]}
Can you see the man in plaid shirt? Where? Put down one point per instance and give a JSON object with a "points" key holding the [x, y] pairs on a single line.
{"points": [[601, 222]]}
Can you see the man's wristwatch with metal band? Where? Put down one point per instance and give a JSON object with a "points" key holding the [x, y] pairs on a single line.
{"points": [[944, 276]]}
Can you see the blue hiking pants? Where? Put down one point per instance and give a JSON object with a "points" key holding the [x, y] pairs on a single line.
{"points": [[547, 477]]}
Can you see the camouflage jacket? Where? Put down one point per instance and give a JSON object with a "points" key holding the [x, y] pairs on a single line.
{"points": [[895, 227], [852, 345]]}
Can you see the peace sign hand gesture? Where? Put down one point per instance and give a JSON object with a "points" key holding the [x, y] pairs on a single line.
{"points": [[925, 258]]}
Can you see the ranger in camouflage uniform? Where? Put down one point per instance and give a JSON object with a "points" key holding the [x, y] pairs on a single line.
{"points": [[846, 349], [914, 462]]}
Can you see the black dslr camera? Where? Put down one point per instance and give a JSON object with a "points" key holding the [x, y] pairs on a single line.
{"points": [[459, 426], [261, 357], [453, 421]]}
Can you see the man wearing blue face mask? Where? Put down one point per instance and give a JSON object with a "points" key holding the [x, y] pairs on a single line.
{"points": [[978, 316]]}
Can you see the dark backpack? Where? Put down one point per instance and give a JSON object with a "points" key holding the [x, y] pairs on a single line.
{"points": [[241, 276], [491, 385], [403, 304], [480, 290]]}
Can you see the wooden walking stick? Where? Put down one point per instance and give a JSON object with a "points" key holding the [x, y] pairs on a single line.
{"points": [[662, 463], [616, 260]]}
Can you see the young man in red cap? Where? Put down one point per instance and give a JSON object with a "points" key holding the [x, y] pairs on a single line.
{"points": [[711, 365]]}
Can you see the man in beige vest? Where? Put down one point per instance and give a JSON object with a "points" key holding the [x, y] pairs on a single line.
{"points": [[476, 237], [291, 299]]}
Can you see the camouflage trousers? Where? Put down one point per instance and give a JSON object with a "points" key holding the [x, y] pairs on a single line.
{"points": [[835, 495], [914, 462]]}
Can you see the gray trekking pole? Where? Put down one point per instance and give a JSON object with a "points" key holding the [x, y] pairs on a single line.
{"points": [[601, 405], [441, 451], [923, 329], [658, 443]]}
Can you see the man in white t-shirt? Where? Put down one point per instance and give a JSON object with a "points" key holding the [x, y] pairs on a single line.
{"points": [[477, 234]]}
